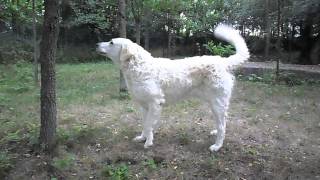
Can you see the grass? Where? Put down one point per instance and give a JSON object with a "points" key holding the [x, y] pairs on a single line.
{"points": [[89, 84], [183, 137], [6, 163], [120, 172], [75, 84], [65, 162], [150, 163], [96, 124]]}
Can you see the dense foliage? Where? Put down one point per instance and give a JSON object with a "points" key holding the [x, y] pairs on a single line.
{"points": [[170, 25], [219, 49]]}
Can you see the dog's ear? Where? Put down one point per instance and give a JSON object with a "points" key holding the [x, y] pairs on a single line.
{"points": [[127, 51]]}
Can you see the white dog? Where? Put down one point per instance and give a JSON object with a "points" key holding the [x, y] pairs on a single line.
{"points": [[154, 82]]}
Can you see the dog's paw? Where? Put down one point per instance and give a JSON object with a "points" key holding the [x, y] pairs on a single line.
{"points": [[214, 132], [139, 139], [147, 145], [214, 148]]}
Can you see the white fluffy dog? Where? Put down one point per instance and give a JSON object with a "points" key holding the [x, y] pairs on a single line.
{"points": [[154, 82]]}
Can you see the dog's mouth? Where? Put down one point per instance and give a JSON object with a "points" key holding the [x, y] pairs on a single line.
{"points": [[100, 51]]}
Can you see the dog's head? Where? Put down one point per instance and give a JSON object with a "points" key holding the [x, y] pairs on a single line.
{"points": [[120, 50]]}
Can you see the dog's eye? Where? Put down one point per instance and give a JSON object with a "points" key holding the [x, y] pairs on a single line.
{"points": [[111, 42]]}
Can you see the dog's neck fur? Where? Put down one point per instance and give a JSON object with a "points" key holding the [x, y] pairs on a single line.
{"points": [[135, 68], [136, 61]]}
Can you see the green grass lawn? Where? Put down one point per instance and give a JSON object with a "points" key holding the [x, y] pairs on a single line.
{"points": [[269, 125], [83, 84], [77, 86]]}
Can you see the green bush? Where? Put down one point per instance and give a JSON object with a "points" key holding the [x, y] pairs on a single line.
{"points": [[219, 49]]}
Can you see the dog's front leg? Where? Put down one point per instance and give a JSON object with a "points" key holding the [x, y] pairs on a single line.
{"points": [[152, 117], [142, 137]]}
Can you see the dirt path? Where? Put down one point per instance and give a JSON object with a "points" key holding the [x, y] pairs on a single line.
{"points": [[292, 67], [303, 72]]}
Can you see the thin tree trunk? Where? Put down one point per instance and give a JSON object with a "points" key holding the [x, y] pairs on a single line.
{"points": [[241, 30], [169, 42], [147, 23], [268, 31], [138, 31], [14, 19], [35, 52], [291, 40], [123, 22], [169, 36], [48, 79], [278, 43], [122, 34], [147, 39]]}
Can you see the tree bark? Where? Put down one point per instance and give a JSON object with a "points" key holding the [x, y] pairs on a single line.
{"points": [[122, 21], [278, 41], [35, 52], [169, 43], [122, 34], [147, 39], [268, 31], [147, 27], [14, 19], [138, 31], [48, 79], [291, 35]]}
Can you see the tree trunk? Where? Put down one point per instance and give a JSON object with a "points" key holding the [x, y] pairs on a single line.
{"points": [[35, 52], [291, 35], [147, 27], [138, 31], [147, 39], [122, 19], [169, 42], [242, 30], [122, 34], [48, 79], [278, 42], [268, 31], [14, 19]]}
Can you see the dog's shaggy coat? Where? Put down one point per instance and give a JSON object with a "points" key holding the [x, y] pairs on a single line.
{"points": [[154, 82]]}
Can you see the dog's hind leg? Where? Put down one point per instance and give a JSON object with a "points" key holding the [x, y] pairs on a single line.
{"points": [[219, 109]]}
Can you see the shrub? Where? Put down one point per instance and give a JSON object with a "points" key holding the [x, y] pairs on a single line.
{"points": [[219, 49]]}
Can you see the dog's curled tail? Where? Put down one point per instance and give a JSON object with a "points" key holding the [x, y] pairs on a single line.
{"points": [[232, 36]]}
